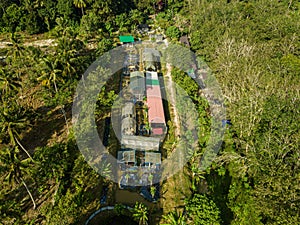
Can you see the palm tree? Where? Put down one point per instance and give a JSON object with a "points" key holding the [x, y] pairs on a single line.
{"points": [[50, 73], [67, 48], [152, 191], [80, 4], [15, 52], [14, 167], [140, 212], [174, 218], [16, 49], [196, 175], [8, 82], [12, 120], [106, 170], [150, 178]]}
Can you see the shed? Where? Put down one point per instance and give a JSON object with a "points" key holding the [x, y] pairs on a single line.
{"points": [[152, 158], [126, 39], [127, 157]]}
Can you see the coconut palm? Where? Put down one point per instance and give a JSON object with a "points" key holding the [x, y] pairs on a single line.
{"points": [[14, 168], [16, 49], [174, 218], [12, 121], [152, 191], [106, 170], [50, 72], [8, 82], [196, 175], [15, 53], [140, 213], [80, 4], [150, 178]]}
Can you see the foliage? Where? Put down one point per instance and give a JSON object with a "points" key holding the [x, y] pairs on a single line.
{"points": [[253, 49], [202, 210], [140, 213], [255, 59], [173, 32], [174, 218]]}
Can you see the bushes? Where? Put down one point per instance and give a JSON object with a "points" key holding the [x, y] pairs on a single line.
{"points": [[202, 210], [173, 32]]}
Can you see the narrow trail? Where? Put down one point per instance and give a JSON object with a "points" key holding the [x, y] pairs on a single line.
{"points": [[171, 97], [175, 189], [36, 43]]}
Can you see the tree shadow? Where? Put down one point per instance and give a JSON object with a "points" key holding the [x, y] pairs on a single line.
{"points": [[49, 127], [219, 186]]}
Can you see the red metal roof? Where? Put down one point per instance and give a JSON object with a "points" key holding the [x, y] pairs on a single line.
{"points": [[155, 106], [157, 131]]}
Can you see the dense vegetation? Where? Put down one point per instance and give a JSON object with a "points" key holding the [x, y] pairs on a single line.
{"points": [[252, 47]]}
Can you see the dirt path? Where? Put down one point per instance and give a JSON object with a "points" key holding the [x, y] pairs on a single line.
{"points": [[171, 98], [37, 43], [176, 189]]}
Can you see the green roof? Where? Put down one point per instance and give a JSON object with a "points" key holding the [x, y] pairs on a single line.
{"points": [[152, 82], [126, 39]]}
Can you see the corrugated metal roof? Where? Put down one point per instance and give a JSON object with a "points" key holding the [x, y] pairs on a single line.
{"points": [[136, 74], [154, 101], [157, 131], [153, 157], [140, 142], [137, 83]]}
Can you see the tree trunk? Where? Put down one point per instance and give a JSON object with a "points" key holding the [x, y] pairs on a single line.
{"points": [[65, 117], [55, 86], [23, 182], [62, 108], [54, 195], [19, 143]]}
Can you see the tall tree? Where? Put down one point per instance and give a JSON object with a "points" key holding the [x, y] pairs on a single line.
{"points": [[51, 73], [13, 119], [15, 53], [9, 82]]}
